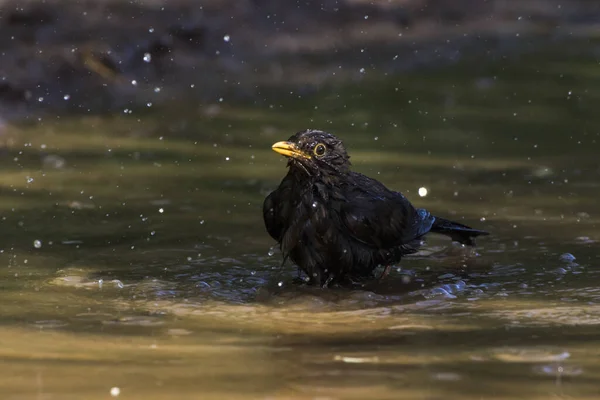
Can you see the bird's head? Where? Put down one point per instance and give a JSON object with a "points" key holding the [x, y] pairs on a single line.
{"points": [[315, 152]]}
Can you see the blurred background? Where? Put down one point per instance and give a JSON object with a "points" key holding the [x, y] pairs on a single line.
{"points": [[99, 56], [135, 154]]}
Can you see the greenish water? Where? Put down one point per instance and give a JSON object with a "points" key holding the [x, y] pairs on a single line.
{"points": [[135, 255]]}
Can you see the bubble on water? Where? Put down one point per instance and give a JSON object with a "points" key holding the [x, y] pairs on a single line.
{"points": [[115, 391], [161, 210], [118, 283], [151, 30], [271, 252], [314, 204], [147, 57], [149, 104], [422, 191], [157, 90], [362, 70], [100, 282], [67, 96], [29, 179], [40, 99], [227, 38], [567, 257], [226, 158], [280, 283], [37, 244], [134, 82]]}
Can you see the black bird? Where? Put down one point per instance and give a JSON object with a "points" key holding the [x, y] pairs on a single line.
{"points": [[336, 224]]}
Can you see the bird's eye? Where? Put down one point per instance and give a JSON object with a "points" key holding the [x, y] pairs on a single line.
{"points": [[319, 150]]}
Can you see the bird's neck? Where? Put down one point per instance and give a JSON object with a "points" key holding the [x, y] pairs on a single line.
{"points": [[302, 177]]}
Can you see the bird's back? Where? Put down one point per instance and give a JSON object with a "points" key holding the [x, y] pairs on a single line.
{"points": [[346, 225]]}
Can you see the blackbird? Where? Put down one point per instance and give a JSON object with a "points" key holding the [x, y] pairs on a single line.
{"points": [[338, 225]]}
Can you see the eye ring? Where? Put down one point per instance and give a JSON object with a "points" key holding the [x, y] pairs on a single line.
{"points": [[320, 150]]}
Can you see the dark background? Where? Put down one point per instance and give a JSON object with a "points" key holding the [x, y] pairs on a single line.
{"points": [[89, 52]]}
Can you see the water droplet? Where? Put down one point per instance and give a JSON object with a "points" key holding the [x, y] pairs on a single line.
{"points": [[422, 191], [147, 57], [227, 38], [37, 244], [67, 96]]}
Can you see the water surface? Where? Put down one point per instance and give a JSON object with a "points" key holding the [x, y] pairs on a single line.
{"points": [[136, 257]]}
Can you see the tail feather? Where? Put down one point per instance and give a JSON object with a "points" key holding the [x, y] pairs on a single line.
{"points": [[457, 232]]}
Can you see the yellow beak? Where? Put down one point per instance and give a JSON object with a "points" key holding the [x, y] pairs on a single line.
{"points": [[289, 149]]}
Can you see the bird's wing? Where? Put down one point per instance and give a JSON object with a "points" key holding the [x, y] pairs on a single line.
{"points": [[379, 217], [273, 224]]}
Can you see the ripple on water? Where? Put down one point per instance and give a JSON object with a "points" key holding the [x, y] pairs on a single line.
{"points": [[145, 321], [555, 370], [535, 354], [50, 324], [356, 359], [94, 316], [446, 376]]}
